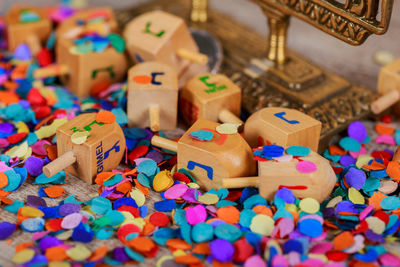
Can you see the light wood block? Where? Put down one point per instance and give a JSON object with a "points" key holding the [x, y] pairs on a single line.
{"points": [[153, 85], [102, 151], [388, 87], [33, 33], [157, 36], [210, 161], [208, 96], [87, 70], [282, 126], [274, 175]]}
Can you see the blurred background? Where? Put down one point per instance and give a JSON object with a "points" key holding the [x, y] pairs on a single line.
{"points": [[355, 63]]}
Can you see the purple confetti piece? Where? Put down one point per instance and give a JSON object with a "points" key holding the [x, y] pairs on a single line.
{"points": [[355, 178], [120, 255], [48, 242], [155, 155], [347, 160], [69, 208], [6, 127], [35, 201], [34, 166], [222, 250], [6, 230], [357, 131]]}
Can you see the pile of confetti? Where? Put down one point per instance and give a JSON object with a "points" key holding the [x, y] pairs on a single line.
{"points": [[357, 226]]}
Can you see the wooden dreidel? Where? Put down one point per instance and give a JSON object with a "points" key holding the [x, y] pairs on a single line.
{"points": [[153, 96], [211, 96], [160, 36], [88, 52], [27, 24], [224, 155], [102, 151], [282, 126], [274, 175], [388, 87]]}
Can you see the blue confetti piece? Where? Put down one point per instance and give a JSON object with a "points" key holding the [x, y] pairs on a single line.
{"points": [[350, 144], [14, 180], [165, 205], [310, 227], [121, 117], [14, 207], [298, 151], [390, 203], [253, 201], [273, 151], [124, 201], [82, 233], [202, 232], [162, 235], [115, 179], [369, 256], [100, 205], [292, 245], [133, 254], [228, 232], [148, 167], [201, 135], [246, 216], [32, 225]]}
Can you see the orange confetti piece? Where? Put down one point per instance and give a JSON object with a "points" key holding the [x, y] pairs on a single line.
{"points": [[54, 191], [23, 246], [222, 264], [103, 176], [105, 116], [142, 188], [177, 243], [336, 150], [141, 244], [383, 129], [187, 259], [8, 97], [56, 254], [99, 87], [261, 209], [363, 264], [229, 214], [6, 200], [343, 241], [148, 227], [3, 179], [202, 248], [393, 170], [376, 199], [375, 166], [52, 152], [142, 79], [4, 193], [99, 253]]}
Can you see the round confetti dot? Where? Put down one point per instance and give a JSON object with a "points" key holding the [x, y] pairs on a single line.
{"points": [[201, 135], [222, 250], [262, 224], [196, 214], [355, 178], [227, 128], [299, 151], [159, 219], [273, 151], [6, 230], [71, 221], [176, 191], [162, 181], [228, 232], [309, 205], [357, 131], [306, 166], [350, 144], [23, 256], [202, 232], [310, 227], [229, 214]]}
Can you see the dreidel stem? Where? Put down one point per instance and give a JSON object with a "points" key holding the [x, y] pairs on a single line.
{"points": [[192, 56], [50, 71], [240, 182], [385, 101], [164, 143], [226, 116], [59, 164], [154, 112]]}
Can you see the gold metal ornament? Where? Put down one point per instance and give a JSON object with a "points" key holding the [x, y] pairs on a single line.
{"points": [[199, 11]]}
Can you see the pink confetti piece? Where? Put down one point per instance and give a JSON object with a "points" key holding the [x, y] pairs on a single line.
{"points": [[196, 215], [306, 166], [176, 191], [385, 139], [71, 221], [355, 155]]}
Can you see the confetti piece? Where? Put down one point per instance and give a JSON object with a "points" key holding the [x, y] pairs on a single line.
{"points": [[196, 215], [105, 116], [6, 230], [306, 166], [79, 138], [54, 191], [343, 241], [162, 181], [229, 214], [201, 135], [262, 224], [355, 196], [309, 205], [357, 131], [23, 256], [298, 151], [228, 128], [350, 144]]}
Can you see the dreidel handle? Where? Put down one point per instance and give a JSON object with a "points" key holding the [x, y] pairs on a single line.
{"points": [[164, 143], [59, 164], [385, 101], [192, 56], [226, 116], [240, 182], [154, 112], [51, 70]]}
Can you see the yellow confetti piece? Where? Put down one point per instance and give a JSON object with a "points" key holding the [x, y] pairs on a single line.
{"points": [[79, 138], [291, 207], [272, 244], [65, 235], [18, 151], [228, 128], [79, 253], [318, 256], [139, 222], [23, 256], [163, 259], [162, 181], [309, 205], [355, 196], [50, 130], [22, 127], [363, 160], [27, 154], [375, 224], [59, 264], [193, 185], [208, 199], [31, 212], [334, 201], [262, 224], [138, 196], [128, 218], [179, 252]]}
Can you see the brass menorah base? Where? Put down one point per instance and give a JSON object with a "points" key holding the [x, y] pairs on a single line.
{"points": [[298, 83]]}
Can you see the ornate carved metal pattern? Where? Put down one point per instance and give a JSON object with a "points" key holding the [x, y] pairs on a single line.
{"points": [[352, 21]]}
